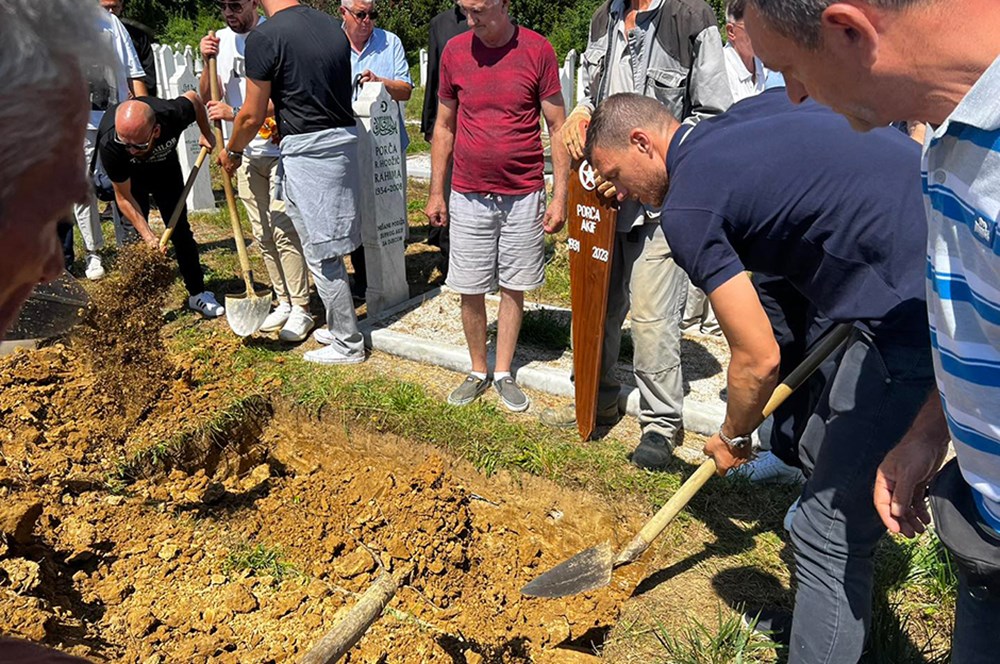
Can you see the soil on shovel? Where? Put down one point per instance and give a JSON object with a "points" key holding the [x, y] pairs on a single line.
{"points": [[144, 518]]}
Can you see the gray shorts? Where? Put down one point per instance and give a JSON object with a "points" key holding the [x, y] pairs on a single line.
{"points": [[494, 235]]}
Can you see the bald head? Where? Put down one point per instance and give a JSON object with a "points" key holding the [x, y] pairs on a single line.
{"points": [[134, 121]]}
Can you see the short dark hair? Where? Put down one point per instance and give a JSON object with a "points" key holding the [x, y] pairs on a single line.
{"points": [[735, 10], [800, 19], [618, 115]]}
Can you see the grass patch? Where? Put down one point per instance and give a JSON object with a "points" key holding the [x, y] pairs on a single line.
{"points": [[260, 560], [729, 641], [555, 290], [546, 329]]}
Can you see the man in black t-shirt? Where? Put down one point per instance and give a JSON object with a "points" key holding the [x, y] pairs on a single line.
{"points": [[794, 192], [300, 58], [137, 141]]}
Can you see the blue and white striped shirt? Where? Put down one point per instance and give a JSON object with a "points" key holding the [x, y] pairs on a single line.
{"points": [[961, 180]]}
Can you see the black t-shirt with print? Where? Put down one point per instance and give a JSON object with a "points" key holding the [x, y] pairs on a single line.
{"points": [[306, 57], [172, 115]]}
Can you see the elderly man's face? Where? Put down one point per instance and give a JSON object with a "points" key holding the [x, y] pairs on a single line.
{"points": [[487, 18], [40, 197], [839, 73], [736, 35], [359, 20]]}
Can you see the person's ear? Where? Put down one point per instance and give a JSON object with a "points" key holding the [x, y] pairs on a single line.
{"points": [[851, 31], [730, 32], [641, 140]]}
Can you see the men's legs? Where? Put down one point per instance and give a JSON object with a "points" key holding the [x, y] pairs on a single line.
{"points": [[865, 410], [963, 531], [87, 217], [699, 318], [627, 248], [166, 186], [332, 286], [474, 326], [658, 288], [253, 186]]}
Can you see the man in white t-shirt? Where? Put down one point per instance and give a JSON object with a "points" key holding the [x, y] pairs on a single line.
{"points": [[746, 73], [108, 86], [256, 177]]}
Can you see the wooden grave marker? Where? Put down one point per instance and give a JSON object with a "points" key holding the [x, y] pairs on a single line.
{"points": [[592, 219]]}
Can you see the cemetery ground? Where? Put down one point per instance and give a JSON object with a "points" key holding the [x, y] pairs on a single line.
{"points": [[251, 496]]}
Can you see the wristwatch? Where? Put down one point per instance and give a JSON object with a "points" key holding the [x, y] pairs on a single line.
{"points": [[236, 157], [736, 442]]}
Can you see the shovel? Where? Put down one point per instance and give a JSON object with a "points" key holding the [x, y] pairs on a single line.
{"points": [[246, 312], [591, 569], [172, 223]]}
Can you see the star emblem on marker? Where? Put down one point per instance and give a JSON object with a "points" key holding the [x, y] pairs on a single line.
{"points": [[587, 176]]}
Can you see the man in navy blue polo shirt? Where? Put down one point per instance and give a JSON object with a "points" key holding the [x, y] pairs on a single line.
{"points": [[794, 192]]}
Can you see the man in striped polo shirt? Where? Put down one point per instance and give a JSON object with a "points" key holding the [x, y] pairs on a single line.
{"points": [[877, 61]]}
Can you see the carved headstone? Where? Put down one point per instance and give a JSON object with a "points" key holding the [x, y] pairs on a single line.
{"points": [[383, 197]]}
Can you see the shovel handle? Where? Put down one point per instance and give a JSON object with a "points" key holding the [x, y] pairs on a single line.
{"points": [[227, 186], [679, 500], [183, 198]]}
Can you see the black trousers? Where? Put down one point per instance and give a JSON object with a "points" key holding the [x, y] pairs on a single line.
{"points": [[797, 326], [65, 230], [165, 184]]}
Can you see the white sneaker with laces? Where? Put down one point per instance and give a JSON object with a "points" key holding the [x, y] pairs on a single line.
{"points": [[298, 325], [276, 319], [769, 468], [330, 355], [94, 269], [206, 304], [323, 336]]}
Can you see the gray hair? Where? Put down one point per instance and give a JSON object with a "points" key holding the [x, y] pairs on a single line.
{"points": [[800, 19], [618, 115], [735, 10], [44, 46]]}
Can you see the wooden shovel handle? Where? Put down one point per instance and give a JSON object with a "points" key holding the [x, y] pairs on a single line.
{"points": [[182, 200], [679, 500], [227, 185]]}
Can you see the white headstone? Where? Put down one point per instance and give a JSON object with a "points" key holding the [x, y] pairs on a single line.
{"points": [[201, 197], [165, 68], [582, 81], [423, 67], [567, 78], [383, 197]]}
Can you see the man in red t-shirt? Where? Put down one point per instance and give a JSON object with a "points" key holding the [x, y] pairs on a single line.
{"points": [[495, 82]]}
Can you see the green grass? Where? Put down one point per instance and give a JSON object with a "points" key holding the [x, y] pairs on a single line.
{"points": [[260, 560], [556, 288], [729, 641]]}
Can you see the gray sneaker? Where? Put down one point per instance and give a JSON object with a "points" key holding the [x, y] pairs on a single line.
{"points": [[468, 391], [511, 394]]}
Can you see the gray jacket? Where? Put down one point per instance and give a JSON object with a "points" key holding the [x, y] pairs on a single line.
{"points": [[677, 58]]}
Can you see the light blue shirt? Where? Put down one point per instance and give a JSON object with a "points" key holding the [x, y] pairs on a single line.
{"points": [[385, 57], [961, 178]]}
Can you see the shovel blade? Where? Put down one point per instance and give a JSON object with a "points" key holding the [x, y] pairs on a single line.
{"points": [[246, 313], [585, 571]]}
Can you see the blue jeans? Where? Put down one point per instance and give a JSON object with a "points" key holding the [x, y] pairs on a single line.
{"points": [[864, 411]]}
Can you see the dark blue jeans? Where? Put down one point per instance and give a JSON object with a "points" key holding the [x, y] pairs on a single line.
{"points": [[867, 407]]}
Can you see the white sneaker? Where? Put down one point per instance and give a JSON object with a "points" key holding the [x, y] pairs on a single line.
{"points": [[206, 304], [330, 355], [769, 468], [298, 325], [276, 319], [94, 270], [323, 336]]}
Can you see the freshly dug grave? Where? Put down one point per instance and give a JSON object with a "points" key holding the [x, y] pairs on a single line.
{"points": [[244, 548]]}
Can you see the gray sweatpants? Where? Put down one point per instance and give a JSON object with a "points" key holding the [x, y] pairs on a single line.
{"points": [[646, 280]]}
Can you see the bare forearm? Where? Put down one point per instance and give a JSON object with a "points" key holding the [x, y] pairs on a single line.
{"points": [[751, 380], [441, 154], [129, 208], [398, 90], [139, 88], [245, 127], [930, 426], [560, 166]]}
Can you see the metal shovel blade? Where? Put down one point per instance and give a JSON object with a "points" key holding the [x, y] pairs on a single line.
{"points": [[246, 312], [585, 571]]}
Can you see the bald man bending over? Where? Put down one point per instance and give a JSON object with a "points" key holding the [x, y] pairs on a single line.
{"points": [[138, 146]]}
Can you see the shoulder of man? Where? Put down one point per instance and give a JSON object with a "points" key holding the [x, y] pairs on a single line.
{"points": [[690, 16]]}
